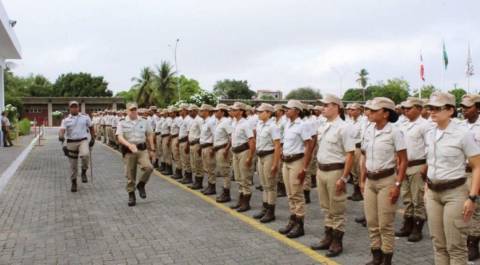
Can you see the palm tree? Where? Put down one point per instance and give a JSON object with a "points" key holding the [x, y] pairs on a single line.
{"points": [[144, 86], [164, 84], [363, 80]]}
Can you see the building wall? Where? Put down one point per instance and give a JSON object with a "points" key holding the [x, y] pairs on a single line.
{"points": [[2, 85]]}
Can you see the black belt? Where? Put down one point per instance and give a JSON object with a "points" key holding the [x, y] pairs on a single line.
{"points": [[358, 145], [218, 147], [291, 158], [158, 133], [140, 147], [240, 148], [194, 142], [76, 140], [331, 167], [165, 135], [174, 135], [468, 169], [265, 153], [206, 145], [183, 140], [380, 174], [448, 185], [417, 162]]}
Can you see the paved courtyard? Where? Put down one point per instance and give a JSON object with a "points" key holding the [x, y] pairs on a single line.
{"points": [[42, 222]]}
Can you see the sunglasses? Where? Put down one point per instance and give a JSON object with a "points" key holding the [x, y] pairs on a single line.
{"points": [[437, 109]]}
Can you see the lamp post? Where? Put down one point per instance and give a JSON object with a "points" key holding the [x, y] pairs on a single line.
{"points": [[176, 68]]}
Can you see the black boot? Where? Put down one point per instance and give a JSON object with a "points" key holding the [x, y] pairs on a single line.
{"points": [[198, 184], [306, 193], [162, 168], [377, 257], [407, 227], [131, 199], [326, 241], [289, 227], [281, 192], [210, 190], [178, 174], [84, 176], [269, 215], [259, 187], [155, 165], [168, 170], [141, 190], [187, 178], [337, 244], [356, 195], [237, 205], [297, 230], [314, 181], [361, 220], [416, 234], [224, 197], [472, 244], [74, 186], [387, 258], [262, 212], [245, 206]]}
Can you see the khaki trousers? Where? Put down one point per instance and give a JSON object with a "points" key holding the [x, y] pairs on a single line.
{"points": [[333, 205], [312, 170], [380, 213], [413, 191], [243, 174], [475, 222], [79, 150], [357, 155], [447, 228], [104, 133], [296, 199], [131, 160], [98, 132], [108, 134], [269, 181], [175, 153], [158, 147], [185, 158], [208, 163], [196, 160], [166, 152], [224, 166]]}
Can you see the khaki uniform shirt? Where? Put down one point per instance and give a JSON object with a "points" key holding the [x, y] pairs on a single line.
{"points": [[207, 130], [76, 127], [280, 123], [176, 123], [335, 139], [223, 130], [295, 136], [415, 138], [242, 132], [184, 127], [195, 129], [448, 151], [267, 132], [166, 124], [381, 146], [134, 131]]}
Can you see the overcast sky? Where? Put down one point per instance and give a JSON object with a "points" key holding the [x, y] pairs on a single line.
{"points": [[272, 44]]}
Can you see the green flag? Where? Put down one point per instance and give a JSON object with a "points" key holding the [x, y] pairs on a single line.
{"points": [[445, 56]]}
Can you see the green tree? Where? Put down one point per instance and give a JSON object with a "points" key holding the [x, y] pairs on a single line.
{"points": [[427, 90], [129, 95], [80, 85], [143, 87], [267, 97], [233, 89], [304, 93], [458, 93], [164, 86], [362, 80], [395, 89], [353, 94], [188, 86]]}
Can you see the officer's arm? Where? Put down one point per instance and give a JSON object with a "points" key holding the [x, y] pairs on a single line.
{"points": [[308, 153], [123, 141], [277, 153], [61, 133], [150, 141], [251, 146], [92, 132], [475, 164], [402, 165], [348, 163]]}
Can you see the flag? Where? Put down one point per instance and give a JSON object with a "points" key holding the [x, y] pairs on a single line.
{"points": [[422, 68], [469, 69], [445, 56]]}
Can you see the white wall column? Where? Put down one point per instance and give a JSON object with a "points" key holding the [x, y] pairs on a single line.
{"points": [[2, 86], [114, 106], [50, 114], [83, 108]]}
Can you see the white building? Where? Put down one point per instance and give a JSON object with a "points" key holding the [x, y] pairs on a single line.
{"points": [[9, 48], [274, 94]]}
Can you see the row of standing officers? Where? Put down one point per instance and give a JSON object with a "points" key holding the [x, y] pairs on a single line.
{"points": [[388, 155]]}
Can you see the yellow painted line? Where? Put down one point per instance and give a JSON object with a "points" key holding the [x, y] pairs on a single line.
{"points": [[250, 221]]}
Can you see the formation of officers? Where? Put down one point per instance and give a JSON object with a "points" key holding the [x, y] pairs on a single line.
{"points": [[417, 150]]}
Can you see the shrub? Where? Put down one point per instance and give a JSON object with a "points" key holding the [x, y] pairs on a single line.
{"points": [[24, 126]]}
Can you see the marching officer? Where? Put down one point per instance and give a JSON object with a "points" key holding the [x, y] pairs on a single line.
{"points": [[268, 153], [336, 146], [243, 148], [194, 147], [297, 150], [470, 108], [132, 134], [75, 129], [207, 131], [183, 144], [356, 121], [280, 120], [174, 146], [384, 144], [415, 129], [221, 147], [165, 133]]}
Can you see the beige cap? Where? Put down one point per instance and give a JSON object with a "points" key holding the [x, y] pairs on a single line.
{"points": [[294, 104], [183, 106], [248, 107], [277, 107], [329, 98], [382, 103], [132, 105], [154, 108], [221, 106], [412, 101], [440, 99], [355, 106], [470, 100], [193, 107], [320, 108], [239, 106], [399, 106], [73, 102], [172, 109], [367, 104], [265, 107], [206, 107]]}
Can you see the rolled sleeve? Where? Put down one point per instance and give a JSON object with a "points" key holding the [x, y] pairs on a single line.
{"points": [[306, 133], [348, 138], [119, 129], [470, 147], [276, 133], [399, 140]]}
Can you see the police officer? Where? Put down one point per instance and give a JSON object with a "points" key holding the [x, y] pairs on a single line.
{"points": [[174, 146], [183, 144], [384, 144], [207, 132], [311, 125], [165, 133], [268, 153], [415, 129], [221, 147], [297, 150], [356, 121], [280, 120], [336, 146], [243, 148], [132, 134], [158, 141], [470, 108], [194, 147], [75, 129]]}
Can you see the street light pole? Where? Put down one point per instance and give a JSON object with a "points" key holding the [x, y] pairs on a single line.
{"points": [[176, 69]]}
